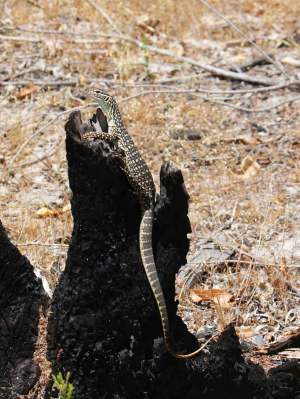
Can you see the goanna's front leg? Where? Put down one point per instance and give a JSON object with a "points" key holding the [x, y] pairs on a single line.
{"points": [[98, 134], [111, 137]]}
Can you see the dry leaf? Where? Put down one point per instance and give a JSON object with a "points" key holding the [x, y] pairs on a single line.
{"points": [[219, 297], [239, 59], [291, 61], [26, 91], [46, 212], [247, 139], [177, 48], [194, 297], [264, 161], [244, 331], [204, 295], [249, 167], [54, 48], [224, 301], [66, 208], [147, 23], [246, 163], [82, 80]]}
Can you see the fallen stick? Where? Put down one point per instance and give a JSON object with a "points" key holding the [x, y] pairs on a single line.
{"points": [[72, 82], [206, 67], [104, 14], [262, 60], [225, 104], [209, 68]]}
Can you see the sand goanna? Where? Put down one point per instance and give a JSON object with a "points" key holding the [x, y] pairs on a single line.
{"points": [[141, 180]]}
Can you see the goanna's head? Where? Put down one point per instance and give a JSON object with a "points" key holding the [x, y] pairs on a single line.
{"points": [[106, 102]]}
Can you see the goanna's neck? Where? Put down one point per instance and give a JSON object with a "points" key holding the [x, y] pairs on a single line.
{"points": [[114, 118]]}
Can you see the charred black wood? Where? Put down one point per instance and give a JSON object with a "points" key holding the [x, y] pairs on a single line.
{"points": [[21, 296], [105, 328]]}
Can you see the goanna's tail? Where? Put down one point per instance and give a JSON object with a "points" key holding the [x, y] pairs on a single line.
{"points": [[145, 238]]}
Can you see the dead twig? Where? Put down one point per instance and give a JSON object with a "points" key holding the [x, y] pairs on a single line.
{"points": [[40, 40], [209, 68], [291, 61], [20, 39], [34, 3], [42, 129], [253, 62], [239, 91], [178, 78], [104, 14], [24, 72], [206, 98], [37, 82], [294, 290], [41, 244], [291, 340], [75, 82], [48, 154], [206, 67]]}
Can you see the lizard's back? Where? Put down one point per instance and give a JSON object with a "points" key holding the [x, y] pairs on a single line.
{"points": [[141, 179], [136, 168]]}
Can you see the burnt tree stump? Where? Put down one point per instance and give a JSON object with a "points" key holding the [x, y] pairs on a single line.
{"points": [[104, 326], [21, 295]]}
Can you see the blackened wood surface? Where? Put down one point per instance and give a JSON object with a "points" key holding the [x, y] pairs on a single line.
{"points": [[104, 319], [21, 295]]}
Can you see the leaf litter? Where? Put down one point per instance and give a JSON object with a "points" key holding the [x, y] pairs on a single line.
{"points": [[256, 297]]}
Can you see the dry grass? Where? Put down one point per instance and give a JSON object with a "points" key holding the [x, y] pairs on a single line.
{"points": [[262, 207]]}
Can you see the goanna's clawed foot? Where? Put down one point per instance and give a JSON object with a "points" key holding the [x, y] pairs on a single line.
{"points": [[119, 156]]}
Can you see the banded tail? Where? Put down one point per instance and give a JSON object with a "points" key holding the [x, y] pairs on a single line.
{"points": [[145, 239]]}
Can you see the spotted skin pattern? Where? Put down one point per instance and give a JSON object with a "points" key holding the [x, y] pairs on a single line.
{"points": [[141, 179]]}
